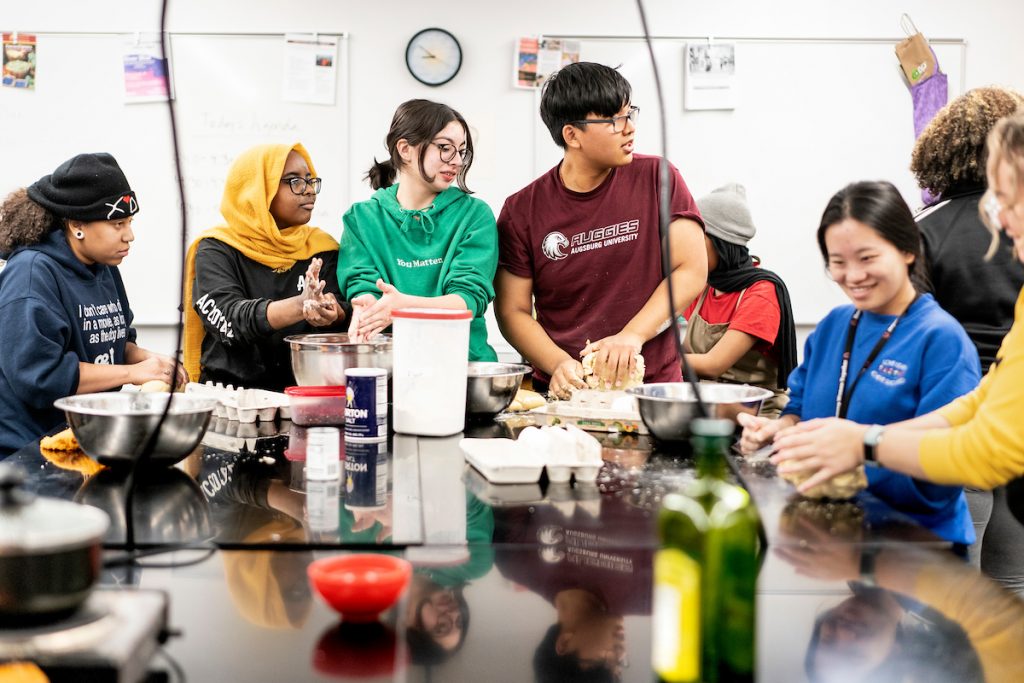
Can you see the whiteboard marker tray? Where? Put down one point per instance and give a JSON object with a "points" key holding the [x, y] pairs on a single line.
{"points": [[501, 462], [589, 418]]}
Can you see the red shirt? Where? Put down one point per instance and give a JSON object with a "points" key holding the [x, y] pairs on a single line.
{"points": [[757, 315], [594, 257]]}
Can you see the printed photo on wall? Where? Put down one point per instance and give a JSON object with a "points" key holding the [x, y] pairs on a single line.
{"points": [[147, 73], [538, 58], [709, 75], [19, 60]]}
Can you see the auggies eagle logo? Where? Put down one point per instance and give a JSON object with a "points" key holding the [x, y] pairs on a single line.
{"points": [[553, 244]]}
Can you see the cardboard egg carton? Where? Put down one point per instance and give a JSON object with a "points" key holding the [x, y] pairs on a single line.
{"points": [[243, 405]]}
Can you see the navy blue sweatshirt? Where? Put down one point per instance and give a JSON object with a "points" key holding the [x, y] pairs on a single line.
{"points": [[55, 312]]}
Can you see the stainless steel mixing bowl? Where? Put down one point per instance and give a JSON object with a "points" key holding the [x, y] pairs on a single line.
{"points": [[490, 387], [113, 426], [667, 408], [321, 359]]}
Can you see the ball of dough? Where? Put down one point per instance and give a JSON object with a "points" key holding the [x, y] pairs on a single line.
{"points": [[840, 487], [155, 385]]}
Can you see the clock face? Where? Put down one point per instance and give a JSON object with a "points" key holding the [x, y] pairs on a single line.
{"points": [[433, 56]]}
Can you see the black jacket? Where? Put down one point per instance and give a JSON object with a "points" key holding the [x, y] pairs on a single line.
{"points": [[231, 294], [980, 294]]}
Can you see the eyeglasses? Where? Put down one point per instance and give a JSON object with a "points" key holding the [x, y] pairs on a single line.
{"points": [[618, 122], [448, 152], [298, 185]]}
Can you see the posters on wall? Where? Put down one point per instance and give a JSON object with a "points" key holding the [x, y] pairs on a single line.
{"points": [[538, 58], [147, 74], [709, 70], [310, 68], [19, 60]]}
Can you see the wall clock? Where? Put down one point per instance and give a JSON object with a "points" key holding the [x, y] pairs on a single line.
{"points": [[433, 56]]}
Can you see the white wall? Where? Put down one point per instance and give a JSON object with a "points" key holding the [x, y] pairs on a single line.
{"points": [[503, 116]]}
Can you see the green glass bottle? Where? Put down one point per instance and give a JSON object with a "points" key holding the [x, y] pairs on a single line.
{"points": [[705, 572]]}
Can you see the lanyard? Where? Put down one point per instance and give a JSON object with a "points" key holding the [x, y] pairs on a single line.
{"points": [[842, 396]]}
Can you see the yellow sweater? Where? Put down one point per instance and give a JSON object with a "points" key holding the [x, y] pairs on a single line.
{"points": [[984, 447]]}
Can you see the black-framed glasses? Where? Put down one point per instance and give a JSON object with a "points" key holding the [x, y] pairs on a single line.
{"points": [[618, 122], [448, 152], [298, 185]]}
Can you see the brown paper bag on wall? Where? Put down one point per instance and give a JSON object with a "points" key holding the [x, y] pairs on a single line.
{"points": [[915, 54]]}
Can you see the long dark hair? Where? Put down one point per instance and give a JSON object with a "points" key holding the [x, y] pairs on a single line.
{"points": [[417, 122], [878, 205]]}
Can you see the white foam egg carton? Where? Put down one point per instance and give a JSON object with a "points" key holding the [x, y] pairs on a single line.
{"points": [[565, 452], [243, 405]]}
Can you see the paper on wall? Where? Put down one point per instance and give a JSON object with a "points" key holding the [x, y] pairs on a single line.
{"points": [[310, 68]]}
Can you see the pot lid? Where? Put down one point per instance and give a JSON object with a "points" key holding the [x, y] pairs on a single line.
{"points": [[30, 523]]}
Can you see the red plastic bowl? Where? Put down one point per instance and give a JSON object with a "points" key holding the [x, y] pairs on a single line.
{"points": [[360, 586]]}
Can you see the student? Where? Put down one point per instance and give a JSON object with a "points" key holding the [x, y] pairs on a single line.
{"points": [[890, 355], [256, 279], [977, 440], [949, 161], [419, 241], [67, 325], [740, 329], [581, 244]]}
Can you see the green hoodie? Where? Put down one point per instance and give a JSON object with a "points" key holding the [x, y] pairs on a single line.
{"points": [[451, 247]]}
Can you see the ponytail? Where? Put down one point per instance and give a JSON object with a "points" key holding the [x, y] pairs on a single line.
{"points": [[381, 174], [23, 222]]}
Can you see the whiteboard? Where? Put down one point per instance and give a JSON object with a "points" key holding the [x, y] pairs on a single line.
{"points": [[811, 116], [228, 97]]}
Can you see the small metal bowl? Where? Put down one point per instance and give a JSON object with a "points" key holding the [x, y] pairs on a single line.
{"points": [[667, 408], [113, 426], [491, 387], [321, 359]]}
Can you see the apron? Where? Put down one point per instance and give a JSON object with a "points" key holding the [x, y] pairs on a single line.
{"points": [[753, 367]]}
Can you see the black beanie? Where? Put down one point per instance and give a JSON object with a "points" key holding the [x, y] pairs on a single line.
{"points": [[88, 187]]}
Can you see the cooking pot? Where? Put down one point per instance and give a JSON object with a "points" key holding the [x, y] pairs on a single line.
{"points": [[49, 553]]}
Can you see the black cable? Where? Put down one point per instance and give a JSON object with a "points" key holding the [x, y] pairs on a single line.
{"points": [[179, 672], [664, 216], [145, 451]]}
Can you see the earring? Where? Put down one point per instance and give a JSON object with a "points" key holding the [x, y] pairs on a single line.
{"points": [[79, 235]]}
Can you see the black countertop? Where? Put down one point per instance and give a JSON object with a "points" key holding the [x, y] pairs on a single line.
{"points": [[508, 568]]}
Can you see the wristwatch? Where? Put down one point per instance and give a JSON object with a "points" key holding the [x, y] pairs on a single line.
{"points": [[872, 437]]}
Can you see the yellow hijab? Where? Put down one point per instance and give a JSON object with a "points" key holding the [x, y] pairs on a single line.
{"points": [[253, 180]]}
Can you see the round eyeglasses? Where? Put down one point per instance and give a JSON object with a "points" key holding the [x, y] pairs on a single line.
{"points": [[298, 185], [448, 152]]}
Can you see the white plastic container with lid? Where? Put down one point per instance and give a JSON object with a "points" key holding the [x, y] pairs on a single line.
{"points": [[431, 357]]}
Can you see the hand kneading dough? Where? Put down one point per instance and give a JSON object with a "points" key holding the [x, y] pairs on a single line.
{"points": [[154, 385], [635, 379], [840, 487]]}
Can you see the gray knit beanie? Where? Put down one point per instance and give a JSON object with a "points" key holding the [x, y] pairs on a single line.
{"points": [[726, 215]]}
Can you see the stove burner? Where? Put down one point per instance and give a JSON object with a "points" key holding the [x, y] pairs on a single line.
{"points": [[112, 637], [83, 629]]}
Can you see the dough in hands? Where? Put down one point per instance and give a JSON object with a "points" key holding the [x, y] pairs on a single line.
{"points": [[155, 385], [840, 487], [635, 378]]}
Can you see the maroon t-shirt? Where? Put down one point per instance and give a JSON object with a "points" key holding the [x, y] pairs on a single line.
{"points": [[594, 256]]}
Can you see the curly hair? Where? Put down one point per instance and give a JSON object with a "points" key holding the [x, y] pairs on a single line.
{"points": [[22, 221], [951, 149]]}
